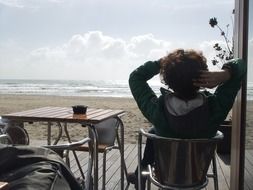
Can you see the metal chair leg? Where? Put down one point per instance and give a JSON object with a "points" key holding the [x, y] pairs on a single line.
{"points": [[215, 176], [127, 186], [124, 164], [66, 155], [139, 159], [149, 184], [104, 170], [89, 179]]}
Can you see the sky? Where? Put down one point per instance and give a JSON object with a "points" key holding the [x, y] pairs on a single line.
{"points": [[102, 39]]}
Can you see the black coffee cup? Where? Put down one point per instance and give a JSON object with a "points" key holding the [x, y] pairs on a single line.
{"points": [[79, 109]]}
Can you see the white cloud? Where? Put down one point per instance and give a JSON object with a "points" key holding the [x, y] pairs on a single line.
{"points": [[12, 3], [89, 56], [144, 44], [92, 55], [30, 4]]}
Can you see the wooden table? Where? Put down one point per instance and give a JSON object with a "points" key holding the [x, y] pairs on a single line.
{"points": [[65, 115]]}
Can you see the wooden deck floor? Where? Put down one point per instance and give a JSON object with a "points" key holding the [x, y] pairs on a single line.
{"points": [[113, 170], [248, 177]]}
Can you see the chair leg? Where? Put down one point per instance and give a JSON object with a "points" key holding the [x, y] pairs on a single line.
{"points": [[119, 148], [139, 159], [104, 170], [127, 186], [66, 155], [149, 184], [124, 165], [215, 176], [89, 178], [125, 168]]}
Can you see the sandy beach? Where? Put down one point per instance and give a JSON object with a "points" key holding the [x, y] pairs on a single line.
{"points": [[133, 118]]}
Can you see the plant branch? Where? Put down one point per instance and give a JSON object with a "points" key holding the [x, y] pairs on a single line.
{"points": [[225, 37]]}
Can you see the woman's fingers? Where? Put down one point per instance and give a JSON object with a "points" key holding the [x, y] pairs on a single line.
{"points": [[204, 84], [211, 79], [206, 79], [206, 75]]}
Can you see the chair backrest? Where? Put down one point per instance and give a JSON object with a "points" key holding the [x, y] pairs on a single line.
{"points": [[5, 139], [15, 131], [183, 162], [107, 131]]}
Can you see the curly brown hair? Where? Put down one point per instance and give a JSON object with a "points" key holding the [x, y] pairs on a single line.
{"points": [[179, 68]]}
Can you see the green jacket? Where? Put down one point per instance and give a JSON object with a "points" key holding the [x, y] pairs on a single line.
{"points": [[153, 108]]}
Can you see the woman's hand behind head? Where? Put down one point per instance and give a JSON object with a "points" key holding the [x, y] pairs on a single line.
{"points": [[211, 79]]}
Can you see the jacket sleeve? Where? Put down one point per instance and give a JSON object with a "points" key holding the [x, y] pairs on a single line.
{"points": [[144, 96], [225, 93]]}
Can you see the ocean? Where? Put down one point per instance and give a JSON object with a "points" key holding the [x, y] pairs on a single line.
{"points": [[114, 88], [110, 88]]}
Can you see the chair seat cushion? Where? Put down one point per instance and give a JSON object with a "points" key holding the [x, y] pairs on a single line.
{"points": [[85, 148]]}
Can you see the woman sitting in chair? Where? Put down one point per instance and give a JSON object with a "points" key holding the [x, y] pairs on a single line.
{"points": [[183, 110]]}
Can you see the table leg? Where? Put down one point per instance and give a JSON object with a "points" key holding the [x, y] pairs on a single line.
{"points": [[74, 153], [49, 130], [49, 133], [59, 133]]}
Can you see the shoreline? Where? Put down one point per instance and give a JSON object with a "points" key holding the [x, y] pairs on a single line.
{"points": [[133, 119]]}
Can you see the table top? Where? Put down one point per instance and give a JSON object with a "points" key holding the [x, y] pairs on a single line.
{"points": [[63, 114]]}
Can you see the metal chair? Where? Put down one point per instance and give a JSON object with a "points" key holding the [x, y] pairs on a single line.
{"points": [[63, 151], [5, 139], [15, 131], [108, 139], [86, 181], [180, 163], [37, 157]]}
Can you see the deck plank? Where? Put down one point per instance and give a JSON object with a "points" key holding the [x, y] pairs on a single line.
{"points": [[223, 167], [248, 172]]}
